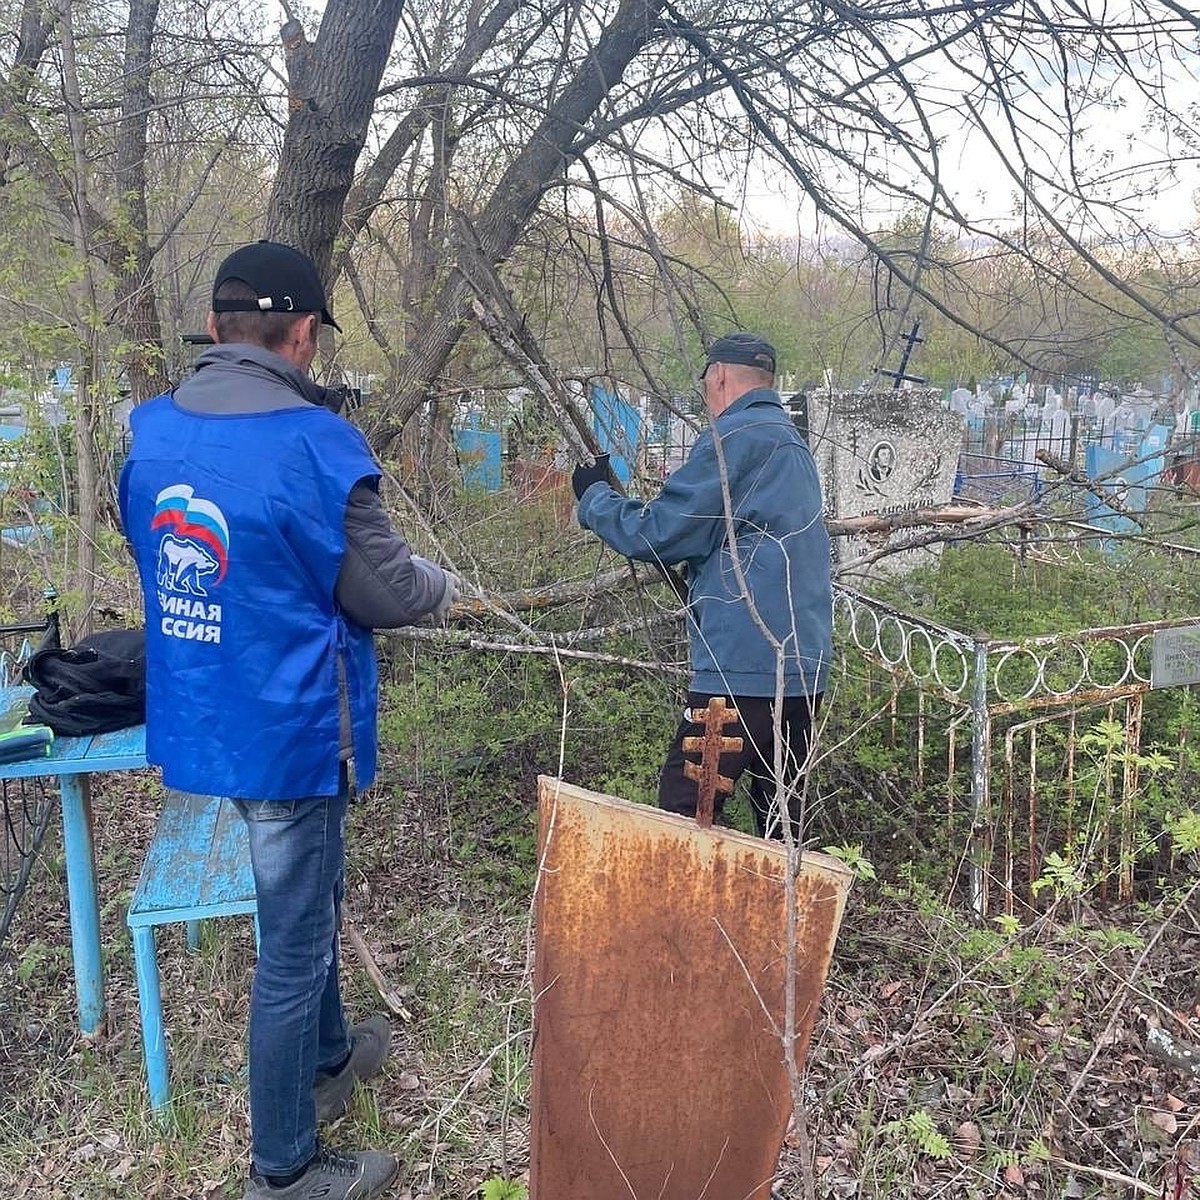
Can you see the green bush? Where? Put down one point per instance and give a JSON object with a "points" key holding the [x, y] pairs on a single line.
{"points": [[483, 725]]}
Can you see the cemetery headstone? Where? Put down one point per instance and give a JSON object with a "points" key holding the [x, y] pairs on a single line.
{"points": [[884, 453], [961, 400]]}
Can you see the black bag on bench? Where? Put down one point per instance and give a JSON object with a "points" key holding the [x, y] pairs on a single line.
{"points": [[95, 686]]}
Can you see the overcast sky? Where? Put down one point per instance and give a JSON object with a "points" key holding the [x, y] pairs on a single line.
{"points": [[1138, 151]]}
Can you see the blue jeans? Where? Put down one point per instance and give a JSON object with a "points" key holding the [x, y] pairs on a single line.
{"points": [[297, 1026]]}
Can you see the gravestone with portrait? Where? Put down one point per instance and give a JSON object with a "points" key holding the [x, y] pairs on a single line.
{"points": [[884, 453]]}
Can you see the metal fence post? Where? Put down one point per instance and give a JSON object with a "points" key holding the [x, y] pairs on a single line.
{"points": [[981, 761]]}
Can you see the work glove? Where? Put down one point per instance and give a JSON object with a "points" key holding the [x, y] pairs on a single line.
{"points": [[584, 476], [451, 595]]}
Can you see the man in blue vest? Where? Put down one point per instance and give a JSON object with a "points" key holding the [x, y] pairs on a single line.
{"points": [[744, 513], [265, 560]]}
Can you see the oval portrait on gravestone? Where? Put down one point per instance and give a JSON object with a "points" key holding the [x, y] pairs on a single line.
{"points": [[879, 466], [881, 462]]}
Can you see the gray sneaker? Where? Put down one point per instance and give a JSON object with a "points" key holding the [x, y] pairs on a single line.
{"points": [[369, 1041], [333, 1175]]}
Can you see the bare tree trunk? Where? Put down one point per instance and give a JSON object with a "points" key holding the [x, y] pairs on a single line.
{"points": [[543, 158], [86, 327], [120, 244], [332, 86], [430, 101], [436, 455], [32, 40], [136, 306], [427, 237]]}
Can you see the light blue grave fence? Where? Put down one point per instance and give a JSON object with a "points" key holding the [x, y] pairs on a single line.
{"points": [[479, 458], [1127, 476], [18, 534], [618, 428], [998, 462]]}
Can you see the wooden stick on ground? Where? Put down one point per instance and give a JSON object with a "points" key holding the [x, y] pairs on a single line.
{"points": [[1110, 1176], [386, 992]]}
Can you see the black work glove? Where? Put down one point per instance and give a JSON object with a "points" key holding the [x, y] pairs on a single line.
{"points": [[584, 476]]}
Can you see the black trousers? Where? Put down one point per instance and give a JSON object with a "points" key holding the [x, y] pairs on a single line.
{"points": [[756, 727]]}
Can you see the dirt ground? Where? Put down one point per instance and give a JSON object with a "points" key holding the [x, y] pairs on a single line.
{"points": [[949, 1059]]}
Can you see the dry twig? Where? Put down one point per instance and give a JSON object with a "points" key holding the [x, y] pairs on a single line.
{"points": [[387, 993]]}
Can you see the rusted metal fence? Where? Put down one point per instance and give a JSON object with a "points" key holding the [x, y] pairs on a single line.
{"points": [[1014, 722]]}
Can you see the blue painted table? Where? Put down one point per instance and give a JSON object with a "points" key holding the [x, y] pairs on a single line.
{"points": [[72, 762]]}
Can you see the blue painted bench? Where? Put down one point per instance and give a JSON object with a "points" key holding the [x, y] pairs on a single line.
{"points": [[197, 866]]}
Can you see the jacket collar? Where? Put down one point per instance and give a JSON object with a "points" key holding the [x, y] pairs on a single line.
{"points": [[243, 354], [749, 399]]}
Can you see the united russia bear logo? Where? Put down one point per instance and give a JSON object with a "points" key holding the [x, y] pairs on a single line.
{"points": [[195, 542]]}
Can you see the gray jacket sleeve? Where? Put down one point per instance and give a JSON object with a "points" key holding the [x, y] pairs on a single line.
{"points": [[382, 584]]}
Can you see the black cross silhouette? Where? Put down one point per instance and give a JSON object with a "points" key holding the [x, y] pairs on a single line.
{"points": [[898, 377]]}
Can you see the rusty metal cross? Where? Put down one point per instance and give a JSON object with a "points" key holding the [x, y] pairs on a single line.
{"points": [[710, 747]]}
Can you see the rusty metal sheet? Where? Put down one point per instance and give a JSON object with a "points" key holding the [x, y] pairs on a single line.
{"points": [[658, 1068]]}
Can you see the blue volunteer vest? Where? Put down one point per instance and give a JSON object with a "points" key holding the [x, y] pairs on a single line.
{"points": [[237, 526]]}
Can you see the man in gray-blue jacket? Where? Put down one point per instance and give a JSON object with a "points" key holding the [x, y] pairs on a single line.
{"points": [[744, 513]]}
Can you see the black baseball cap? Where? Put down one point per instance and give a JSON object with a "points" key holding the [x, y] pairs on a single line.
{"points": [[745, 349], [284, 279]]}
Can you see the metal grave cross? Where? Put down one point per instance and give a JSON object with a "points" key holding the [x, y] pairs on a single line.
{"points": [[710, 747], [913, 338]]}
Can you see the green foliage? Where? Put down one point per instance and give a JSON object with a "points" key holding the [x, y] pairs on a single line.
{"points": [[1133, 352], [39, 469], [484, 725], [1185, 831], [1026, 975], [919, 1130], [870, 795], [498, 1188], [984, 589], [521, 544], [1107, 938], [822, 308], [36, 954], [853, 857], [477, 728], [1061, 876], [1125, 808], [621, 732]]}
